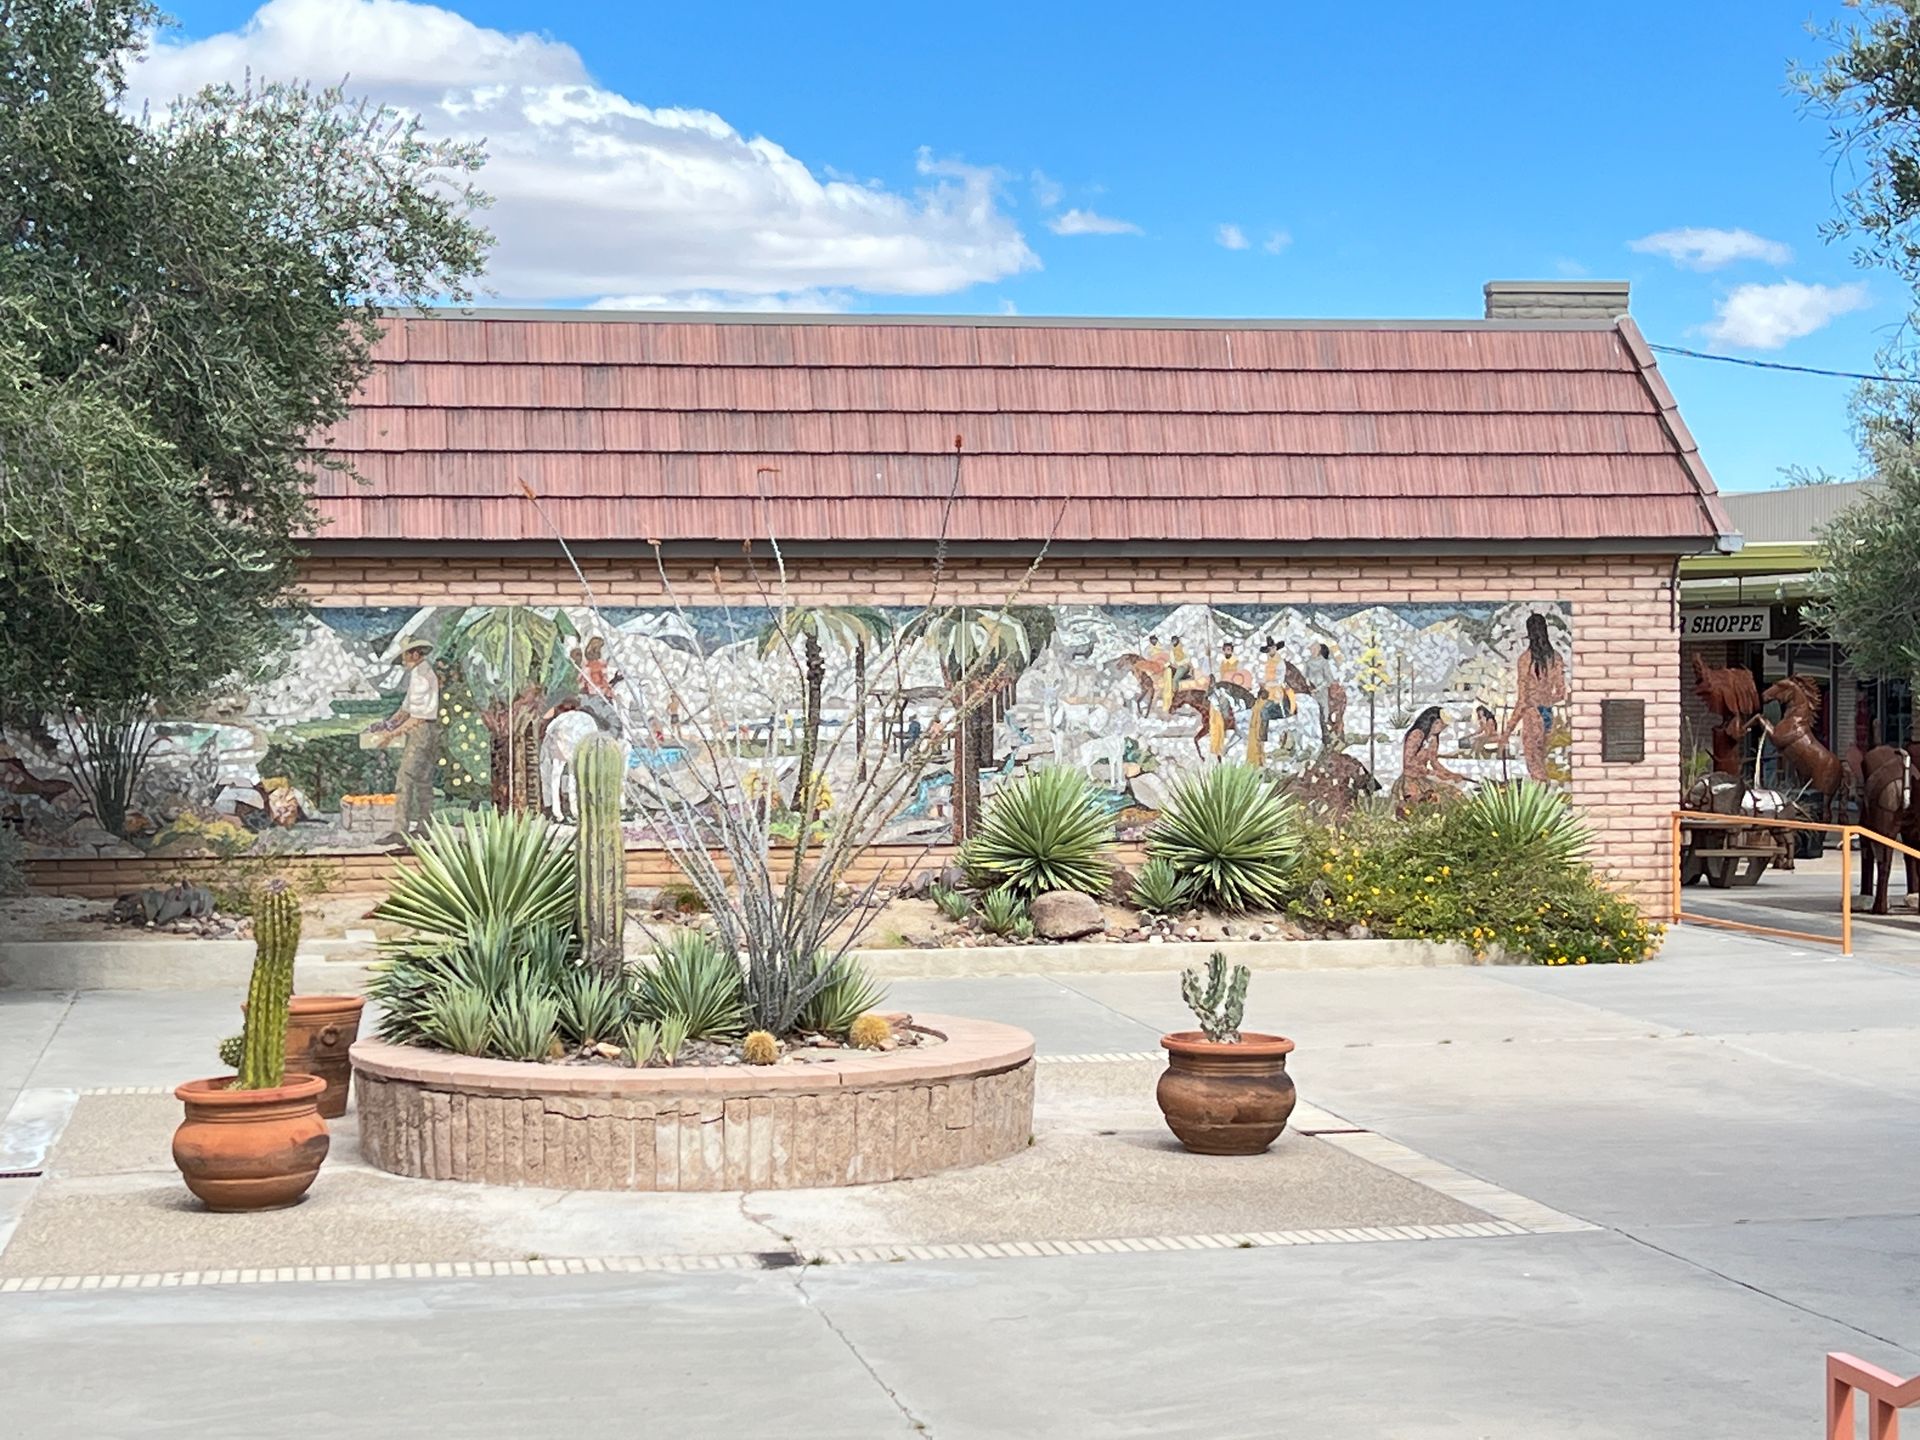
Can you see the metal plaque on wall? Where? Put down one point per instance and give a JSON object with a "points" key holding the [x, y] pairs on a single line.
{"points": [[1623, 731]]}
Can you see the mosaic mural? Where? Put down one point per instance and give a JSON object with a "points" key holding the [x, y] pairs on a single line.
{"points": [[380, 717]]}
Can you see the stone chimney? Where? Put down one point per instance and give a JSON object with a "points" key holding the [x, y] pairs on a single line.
{"points": [[1556, 299]]}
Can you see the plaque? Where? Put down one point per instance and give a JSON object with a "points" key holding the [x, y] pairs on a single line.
{"points": [[1623, 731]]}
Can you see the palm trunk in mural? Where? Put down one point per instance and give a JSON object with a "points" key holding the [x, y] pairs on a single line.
{"points": [[981, 654], [851, 626], [515, 664]]}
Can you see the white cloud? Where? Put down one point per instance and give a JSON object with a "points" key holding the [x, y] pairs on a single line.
{"points": [[800, 302], [598, 194], [1708, 249], [1276, 241], [1765, 317], [1047, 192], [1572, 269], [1088, 222], [1231, 236]]}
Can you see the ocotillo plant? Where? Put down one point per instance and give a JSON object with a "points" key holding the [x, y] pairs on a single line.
{"points": [[276, 935], [1218, 1002], [599, 778]]}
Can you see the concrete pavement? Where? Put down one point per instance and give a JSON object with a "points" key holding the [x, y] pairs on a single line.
{"points": [[1737, 1116]]}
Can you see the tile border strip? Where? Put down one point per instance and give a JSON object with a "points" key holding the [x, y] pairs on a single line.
{"points": [[693, 1264]]}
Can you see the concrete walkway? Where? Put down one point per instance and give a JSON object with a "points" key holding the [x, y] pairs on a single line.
{"points": [[1738, 1118]]}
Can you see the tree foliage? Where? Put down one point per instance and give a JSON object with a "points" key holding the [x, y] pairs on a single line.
{"points": [[1870, 552], [187, 300], [1867, 88]]}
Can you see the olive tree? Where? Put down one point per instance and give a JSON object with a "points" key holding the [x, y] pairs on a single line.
{"points": [[188, 299]]}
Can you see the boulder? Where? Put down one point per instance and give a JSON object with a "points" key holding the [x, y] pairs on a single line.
{"points": [[1120, 886], [1067, 915]]}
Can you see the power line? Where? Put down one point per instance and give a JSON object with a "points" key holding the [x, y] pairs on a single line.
{"points": [[1776, 365]]}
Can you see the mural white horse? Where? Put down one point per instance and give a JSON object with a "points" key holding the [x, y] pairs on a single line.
{"points": [[557, 747]]}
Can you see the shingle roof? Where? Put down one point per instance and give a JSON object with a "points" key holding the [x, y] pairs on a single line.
{"points": [[838, 430]]}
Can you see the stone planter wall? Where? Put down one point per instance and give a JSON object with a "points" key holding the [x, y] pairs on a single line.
{"points": [[854, 1121]]}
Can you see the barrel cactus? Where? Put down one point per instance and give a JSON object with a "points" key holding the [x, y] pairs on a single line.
{"points": [[759, 1048], [599, 778], [276, 935]]}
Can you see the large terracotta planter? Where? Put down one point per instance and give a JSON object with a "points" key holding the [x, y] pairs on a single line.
{"points": [[1226, 1099], [250, 1149], [321, 1030]]}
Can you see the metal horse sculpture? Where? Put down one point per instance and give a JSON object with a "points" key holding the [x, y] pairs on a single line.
{"points": [[1889, 805], [1729, 692], [1799, 699]]}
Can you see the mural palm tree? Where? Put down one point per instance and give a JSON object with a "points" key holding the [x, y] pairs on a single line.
{"points": [[515, 664], [854, 628], [982, 654]]}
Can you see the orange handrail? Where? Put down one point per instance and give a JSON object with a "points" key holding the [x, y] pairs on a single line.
{"points": [[1848, 834], [1887, 1395]]}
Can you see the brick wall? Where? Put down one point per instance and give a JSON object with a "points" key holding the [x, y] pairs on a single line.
{"points": [[1624, 627]]}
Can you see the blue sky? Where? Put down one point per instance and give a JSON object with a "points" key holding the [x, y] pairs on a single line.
{"points": [[1377, 160]]}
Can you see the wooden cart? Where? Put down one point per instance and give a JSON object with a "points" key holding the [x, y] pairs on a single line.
{"points": [[1724, 855]]}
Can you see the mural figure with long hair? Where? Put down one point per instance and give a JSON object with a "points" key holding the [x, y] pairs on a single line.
{"points": [[1540, 685], [1424, 777]]}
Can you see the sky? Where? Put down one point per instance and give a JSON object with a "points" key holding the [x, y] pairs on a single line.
{"points": [[1219, 160]]}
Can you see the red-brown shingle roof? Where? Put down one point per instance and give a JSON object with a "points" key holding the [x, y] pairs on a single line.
{"points": [[842, 430]]}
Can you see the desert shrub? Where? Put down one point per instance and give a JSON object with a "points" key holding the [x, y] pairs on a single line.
{"points": [[594, 1006], [1159, 889], [1475, 873], [235, 864], [695, 979], [1231, 835], [1001, 911], [516, 870], [843, 999], [954, 904], [1045, 831]]}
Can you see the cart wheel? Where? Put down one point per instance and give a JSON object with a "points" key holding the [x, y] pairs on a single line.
{"points": [[1720, 871], [1750, 873], [1811, 844]]}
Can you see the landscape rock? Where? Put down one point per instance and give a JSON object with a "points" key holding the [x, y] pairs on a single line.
{"points": [[1067, 915], [1120, 886]]}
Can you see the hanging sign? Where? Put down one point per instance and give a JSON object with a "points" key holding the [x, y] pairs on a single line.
{"points": [[1732, 622]]}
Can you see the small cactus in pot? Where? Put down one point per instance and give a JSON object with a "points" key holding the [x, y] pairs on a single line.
{"points": [[255, 1140], [1225, 1091]]}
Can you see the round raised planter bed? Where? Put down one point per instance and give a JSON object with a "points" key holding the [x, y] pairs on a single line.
{"points": [[1226, 1099], [857, 1118]]}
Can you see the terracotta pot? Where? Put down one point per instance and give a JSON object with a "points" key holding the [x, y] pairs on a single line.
{"points": [[1226, 1099], [320, 1031], [250, 1149]]}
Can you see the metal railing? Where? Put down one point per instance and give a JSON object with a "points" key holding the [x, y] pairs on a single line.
{"points": [[1887, 1395], [1847, 833]]}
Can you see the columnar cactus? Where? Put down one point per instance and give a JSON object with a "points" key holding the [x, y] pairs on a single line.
{"points": [[599, 780], [276, 935], [1220, 1004]]}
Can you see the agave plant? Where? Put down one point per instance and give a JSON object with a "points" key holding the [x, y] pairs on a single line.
{"points": [[1001, 911], [956, 905], [693, 978], [1045, 831], [526, 1019], [1231, 835], [514, 870], [594, 1007], [843, 999], [1531, 821], [458, 1017], [1159, 889]]}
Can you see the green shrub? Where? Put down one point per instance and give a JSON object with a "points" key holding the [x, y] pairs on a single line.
{"points": [[843, 999], [1529, 823], [1231, 835], [515, 869], [1159, 889], [1450, 873], [694, 979], [954, 904], [594, 1006], [1045, 831], [1002, 910]]}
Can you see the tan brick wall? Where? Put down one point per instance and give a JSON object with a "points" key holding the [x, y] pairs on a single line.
{"points": [[1624, 629]]}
